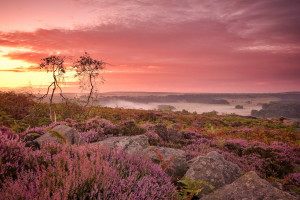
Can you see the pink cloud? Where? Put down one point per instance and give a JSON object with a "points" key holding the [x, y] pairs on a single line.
{"points": [[198, 45]]}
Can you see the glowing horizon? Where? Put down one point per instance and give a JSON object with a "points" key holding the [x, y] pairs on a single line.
{"points": [[157, 46]]}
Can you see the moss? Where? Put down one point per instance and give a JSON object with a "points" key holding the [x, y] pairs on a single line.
{"points": [[58, 135], [34, 134]]}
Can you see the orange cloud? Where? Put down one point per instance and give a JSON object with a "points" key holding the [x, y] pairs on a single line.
{"points": [[21, 69]]}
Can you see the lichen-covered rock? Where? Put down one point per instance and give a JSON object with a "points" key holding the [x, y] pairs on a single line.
{"points": [[61, 134], [249, 186], [130, 144], [71, 134], [179, 163], [213, 169]]}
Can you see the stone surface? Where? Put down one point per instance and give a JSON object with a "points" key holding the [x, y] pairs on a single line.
{"points": [[71, 136], [179, 163], [213, 169], [248, 187], [277, 185], [47, 137], [130, 144]]}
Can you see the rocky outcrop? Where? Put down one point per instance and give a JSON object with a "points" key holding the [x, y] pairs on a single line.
{"points": [[213, 169], [179, 162], [249, 186], [130, 144], [61, 134]]}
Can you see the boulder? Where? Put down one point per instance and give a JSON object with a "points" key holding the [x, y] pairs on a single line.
{"points": [[179, 163], [213, 169], [61, 134], [249, 186], [130, 144]]}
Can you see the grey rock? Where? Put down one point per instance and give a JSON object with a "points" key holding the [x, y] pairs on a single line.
{"points": [[249, 187], [48, 137], [130, 144], [69, 135], [213, 169], [179, 163]]}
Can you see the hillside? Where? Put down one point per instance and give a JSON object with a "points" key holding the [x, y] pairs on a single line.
{"points": [[149, 152], [289, 109]]}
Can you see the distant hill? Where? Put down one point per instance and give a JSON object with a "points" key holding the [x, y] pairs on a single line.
{"points": [[287, 109], [165, 97], [209, 98]]}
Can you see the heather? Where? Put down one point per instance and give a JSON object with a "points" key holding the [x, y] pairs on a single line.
{"points": [[85, 172], [267, 146]]}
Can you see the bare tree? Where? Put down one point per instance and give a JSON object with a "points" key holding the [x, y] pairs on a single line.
{"points": [[55, 65], [88, 69]]}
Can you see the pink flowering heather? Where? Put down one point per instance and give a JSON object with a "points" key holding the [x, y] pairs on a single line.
{"points": [[191, 134], [193, 150], [90, 172], [93, 136], [33, 133], [154, 139], [275, 160], [90, 136], [101, 126], [13, 154], [5, 131], [293, 179], [129, 127], [146, 126]]}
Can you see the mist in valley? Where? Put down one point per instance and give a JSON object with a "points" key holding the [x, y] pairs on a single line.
{"points": [[190, 107]]}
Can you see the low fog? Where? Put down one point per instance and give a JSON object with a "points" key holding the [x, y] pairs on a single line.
{"points": [[179, 106], [128, 104]]}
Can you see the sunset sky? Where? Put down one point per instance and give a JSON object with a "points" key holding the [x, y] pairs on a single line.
{"points": [[156, 45]]}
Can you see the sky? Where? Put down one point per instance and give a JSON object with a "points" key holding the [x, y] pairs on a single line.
{"points": [[221, 46]]}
